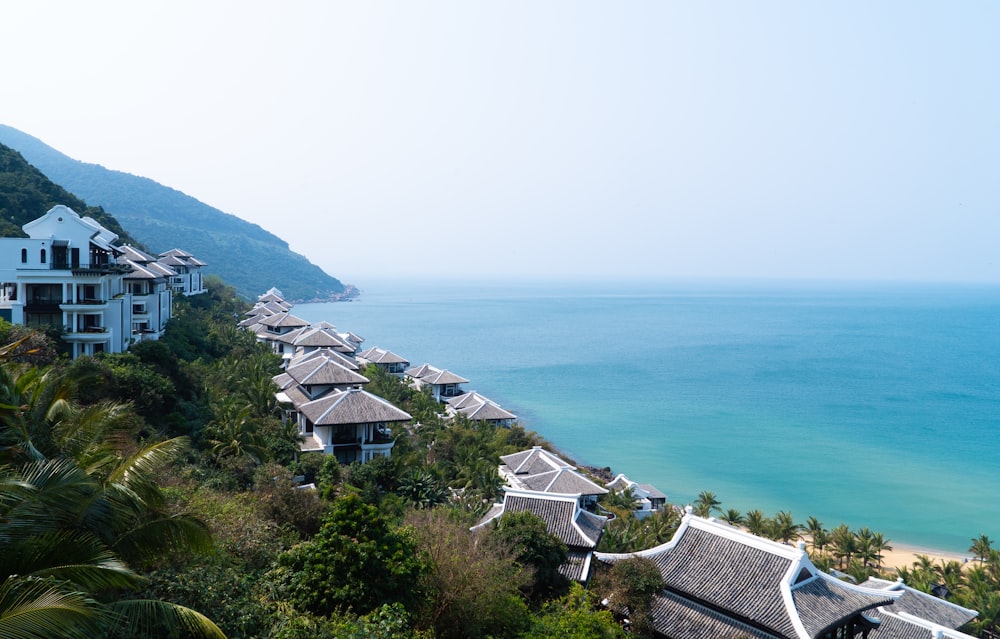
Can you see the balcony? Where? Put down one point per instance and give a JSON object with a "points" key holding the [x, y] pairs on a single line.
{"points": [[84, 305], [87, 334]]}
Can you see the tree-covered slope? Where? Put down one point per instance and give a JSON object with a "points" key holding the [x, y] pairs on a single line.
{"points": [[26, 194], [243, 254]]}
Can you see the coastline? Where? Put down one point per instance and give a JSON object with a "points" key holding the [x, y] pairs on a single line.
{"points": [[535, 373]]}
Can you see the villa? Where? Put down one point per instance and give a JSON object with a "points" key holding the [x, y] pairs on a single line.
{"points": [[648, 499], [386, 360], [442, 383], [538, 470], [480, 409]]}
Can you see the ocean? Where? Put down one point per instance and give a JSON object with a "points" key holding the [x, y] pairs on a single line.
{"points": [[867, 404]]}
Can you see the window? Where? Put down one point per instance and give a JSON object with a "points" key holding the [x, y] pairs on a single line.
{"points": [[24, 256], [43, 256]]}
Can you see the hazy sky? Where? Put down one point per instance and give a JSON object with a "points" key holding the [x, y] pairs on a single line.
{"points": [[846, 139]]}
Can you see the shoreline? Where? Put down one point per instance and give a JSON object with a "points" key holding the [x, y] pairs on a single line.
{"points": [[904, 555]]}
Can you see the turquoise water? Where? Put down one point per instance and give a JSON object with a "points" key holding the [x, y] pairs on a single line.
{"points": [[871, 405]]}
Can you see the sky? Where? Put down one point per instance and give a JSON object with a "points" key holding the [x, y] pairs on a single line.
{"points": [[534, 138]]}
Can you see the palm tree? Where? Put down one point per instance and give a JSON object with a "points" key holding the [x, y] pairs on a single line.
{"points": [[844, 544], [756, 522], [784, 528], [863, 543], [56, 575], [814, 528], [981, 547], [706, 504], [733, 517], [75, 506], [233, 434], [879, 544]]}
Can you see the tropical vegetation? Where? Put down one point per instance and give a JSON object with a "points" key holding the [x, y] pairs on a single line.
{"points": [[155, 493]]}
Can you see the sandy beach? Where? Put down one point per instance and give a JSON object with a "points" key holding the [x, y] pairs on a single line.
{"points": [[903, 556]]}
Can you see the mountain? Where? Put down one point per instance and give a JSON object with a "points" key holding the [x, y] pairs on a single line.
{"points": [[243, 254]]}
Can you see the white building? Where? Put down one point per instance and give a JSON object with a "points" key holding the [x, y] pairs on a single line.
{"points": [[69, 274]]}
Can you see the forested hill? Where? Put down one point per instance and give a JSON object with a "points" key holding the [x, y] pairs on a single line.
{"points": [[243, 254], [26, 194]]}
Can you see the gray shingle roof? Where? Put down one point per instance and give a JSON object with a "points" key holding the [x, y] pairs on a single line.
{"points": [[565, 481], [352, 406], [562, 517], [428, 374], [925, 605], [381, 356], [822, 602], [486, 411], [283, 319], [322, 371], [675, 616], [770, 586], [533, 461]]}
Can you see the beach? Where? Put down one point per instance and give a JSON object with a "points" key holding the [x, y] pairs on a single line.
{"points": [[903, 556]]}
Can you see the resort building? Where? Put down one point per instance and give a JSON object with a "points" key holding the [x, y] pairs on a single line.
{"points": [[152, 298], [442, 383], [480, 409], [538, 470], [580, 530], [187, 278], [723, 582], [68, 273], [648, 499], [385, 360]]}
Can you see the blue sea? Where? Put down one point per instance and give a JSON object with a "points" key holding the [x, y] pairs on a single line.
{"points": [[867, 404]]}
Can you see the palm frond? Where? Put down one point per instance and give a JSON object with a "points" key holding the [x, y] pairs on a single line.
{"points": [[37, 609], [140, 618], [76, 557], [164, 535]]}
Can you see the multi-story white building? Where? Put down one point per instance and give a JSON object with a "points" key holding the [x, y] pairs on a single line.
{"points": [[69, 274]]}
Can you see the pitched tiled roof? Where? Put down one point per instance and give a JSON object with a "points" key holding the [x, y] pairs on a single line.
{"points": [[471, 398], [487, 411], [132, 253], [563, 517], [352, 406], [326, 353], [323, 371], [428, 374], [824, 601], [924, 605], [577, 564], [564, 480], [904, 626], [770, 586], [322, 337], [675, 616], [283, 319], [533, 461], [139, 271], [381, 356]]}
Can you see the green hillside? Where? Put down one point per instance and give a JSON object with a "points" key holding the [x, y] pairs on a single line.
{"points": [[243, 254], [26, 194]]}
